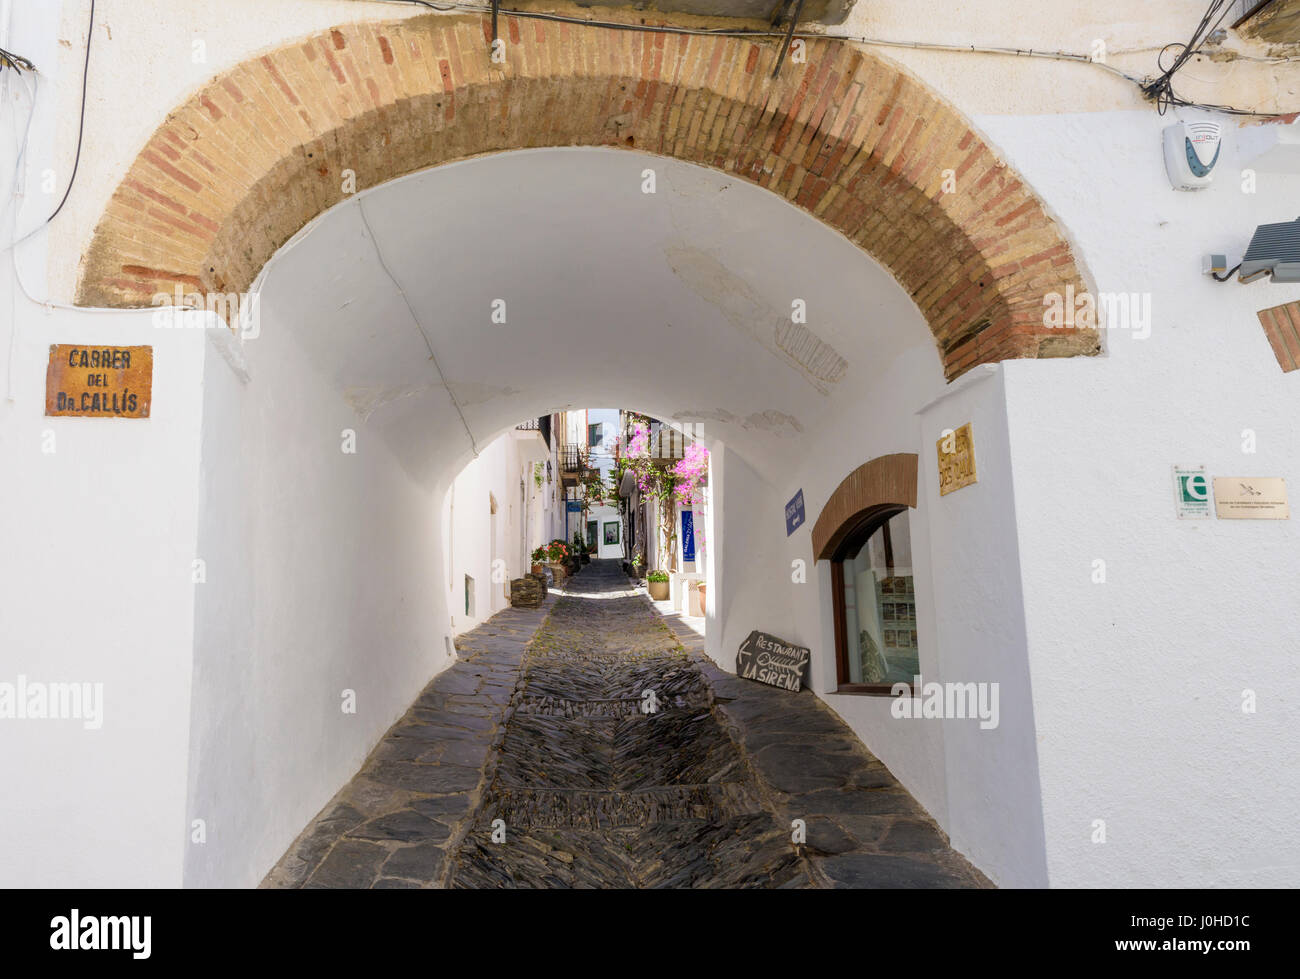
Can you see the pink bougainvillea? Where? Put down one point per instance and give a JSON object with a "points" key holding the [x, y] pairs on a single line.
{"points": [[691, 471], [638, 446]]}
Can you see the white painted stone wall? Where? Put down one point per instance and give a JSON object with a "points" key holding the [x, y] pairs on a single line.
{"points": [[98, 519], [326, 574], [1138, 682], [467, 525]]}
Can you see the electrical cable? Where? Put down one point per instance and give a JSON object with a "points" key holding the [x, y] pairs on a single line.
{"points": [[1160, 84], [1161, 89], [1227, 275], [81, 130], [15, 61]]}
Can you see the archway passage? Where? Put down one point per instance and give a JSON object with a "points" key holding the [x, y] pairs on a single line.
{"points": [[242, 166]]}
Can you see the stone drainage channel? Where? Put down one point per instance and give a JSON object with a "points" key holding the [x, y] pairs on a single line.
{"points": [[534, 761]]}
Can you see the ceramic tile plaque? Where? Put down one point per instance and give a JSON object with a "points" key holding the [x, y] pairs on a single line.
{"points": [[956, 460], [98, 381]]}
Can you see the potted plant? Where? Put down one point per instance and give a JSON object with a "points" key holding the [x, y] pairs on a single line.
{"points": [[657, 582], [539, 561], [557, 553], [695, 592], [638, 562], [580, 549]]}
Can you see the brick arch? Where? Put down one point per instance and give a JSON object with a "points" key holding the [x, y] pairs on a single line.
{"points": [[250, 159], [884, 482]]}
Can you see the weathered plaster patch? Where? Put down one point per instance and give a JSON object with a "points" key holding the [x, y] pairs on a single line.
{"points": [[816, 358], [794, 344], [469, 393], [777, 422], [366, 401]]}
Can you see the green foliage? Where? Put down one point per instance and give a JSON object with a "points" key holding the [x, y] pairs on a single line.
{"points": [[657, 576]]}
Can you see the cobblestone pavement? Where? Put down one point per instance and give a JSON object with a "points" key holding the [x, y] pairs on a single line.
{"points": [[533, 764]]}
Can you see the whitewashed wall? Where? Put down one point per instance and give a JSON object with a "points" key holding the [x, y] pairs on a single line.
{"points": [[323, 576], [467, 525], [1138, 682], [98, 519]]}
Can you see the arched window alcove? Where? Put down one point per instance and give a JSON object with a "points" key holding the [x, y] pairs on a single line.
{"points": [[864, 531]]}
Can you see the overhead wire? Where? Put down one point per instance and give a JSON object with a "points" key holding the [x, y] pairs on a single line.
{"points": [[1166, 99], [1160, 90], [81, 130]]}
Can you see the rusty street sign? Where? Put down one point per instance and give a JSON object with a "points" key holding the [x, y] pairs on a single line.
{"points": [[99, 382], [956, 460]]}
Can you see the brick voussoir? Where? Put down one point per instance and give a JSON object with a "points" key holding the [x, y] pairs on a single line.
{"points": [[845, 135]]}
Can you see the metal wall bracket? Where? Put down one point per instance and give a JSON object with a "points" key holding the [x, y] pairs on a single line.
{"points": [[789, 34]]}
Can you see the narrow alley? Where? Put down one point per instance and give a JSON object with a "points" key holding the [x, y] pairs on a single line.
{"points": [[585, 744]]}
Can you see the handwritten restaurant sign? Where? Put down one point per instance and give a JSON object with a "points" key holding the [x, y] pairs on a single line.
{"points": [[99, 382], [773, 661]]}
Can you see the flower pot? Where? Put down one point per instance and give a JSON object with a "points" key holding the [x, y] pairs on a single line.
{"points": [[557, 570], [659, 591], [539, 569], [703, 605]]}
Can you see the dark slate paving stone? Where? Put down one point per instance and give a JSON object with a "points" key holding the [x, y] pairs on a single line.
{"points": [[420, 862], [405, 825], [432, 779], [442, 731], [352, 863], [867, 870], [470, 754], [825, 836], [876, 777], [470, 720], [867, 802], [867, 830], [442, 807], [457, 683], [913, 836], [406, 749], [786, 722], [600, 797], [792, 768]]}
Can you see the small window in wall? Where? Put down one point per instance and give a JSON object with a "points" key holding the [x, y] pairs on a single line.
{"points": [[469, 596], [611, 533], [593, 435], [875, 606]]}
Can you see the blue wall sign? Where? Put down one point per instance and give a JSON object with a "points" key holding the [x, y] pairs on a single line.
{"points": [[573, 506], [794, 514], [688, 535]]}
